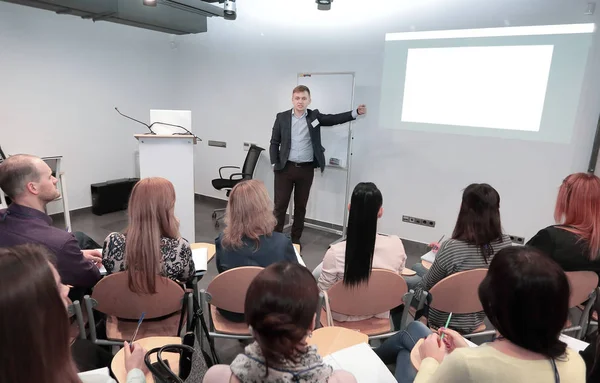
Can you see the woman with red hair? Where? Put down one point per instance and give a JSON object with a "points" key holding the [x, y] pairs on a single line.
{"points": [[575, 241]]}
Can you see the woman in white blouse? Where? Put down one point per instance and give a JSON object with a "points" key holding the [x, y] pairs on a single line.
{"points": [[363, 250]]}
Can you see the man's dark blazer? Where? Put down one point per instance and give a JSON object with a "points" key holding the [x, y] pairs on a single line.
{"points": [[281, 138]]}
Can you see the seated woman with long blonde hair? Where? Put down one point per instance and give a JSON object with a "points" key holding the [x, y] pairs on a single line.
{"points": [[151, 245], [248, 239]]}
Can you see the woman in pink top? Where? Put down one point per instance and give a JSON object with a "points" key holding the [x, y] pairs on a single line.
{"points": [[364, 249]]}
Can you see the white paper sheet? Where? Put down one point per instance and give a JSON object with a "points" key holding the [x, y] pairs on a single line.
{"points": [[429, 257], [98, 372], [300, 260], [362, 362], [575, 344], [200, 257], [102, 269]]}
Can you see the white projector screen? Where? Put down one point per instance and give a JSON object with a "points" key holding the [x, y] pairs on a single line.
{"points": [[522, 85]]}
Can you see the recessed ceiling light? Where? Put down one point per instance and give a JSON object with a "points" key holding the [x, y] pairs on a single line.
{"points": [[150, 3]]}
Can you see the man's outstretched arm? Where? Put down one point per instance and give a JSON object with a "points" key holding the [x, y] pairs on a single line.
{"points": [[341, 118]]}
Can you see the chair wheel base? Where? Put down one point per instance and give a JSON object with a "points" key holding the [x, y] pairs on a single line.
{"points": [[217, 225]]}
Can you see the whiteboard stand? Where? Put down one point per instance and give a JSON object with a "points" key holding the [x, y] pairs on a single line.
{"points": [[55, 164], [348, 163], [172, 157]]}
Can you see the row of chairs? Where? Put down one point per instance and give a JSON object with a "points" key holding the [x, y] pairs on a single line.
{"points": [[385, 291]]}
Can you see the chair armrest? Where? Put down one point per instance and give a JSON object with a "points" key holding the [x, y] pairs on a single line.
{"points": [[239, 174], [226, 167]]}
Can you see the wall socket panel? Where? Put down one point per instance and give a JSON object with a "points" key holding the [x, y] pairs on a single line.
{"points": [[516, 239], [418, 221]]}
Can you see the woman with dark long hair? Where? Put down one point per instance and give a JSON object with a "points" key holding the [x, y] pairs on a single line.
{"points": [[575, 241], [476, 238], [363, 250], [34, 326], [280, 309], [525, 296]]}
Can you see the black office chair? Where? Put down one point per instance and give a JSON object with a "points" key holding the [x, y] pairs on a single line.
{"points": [[228, 183]]}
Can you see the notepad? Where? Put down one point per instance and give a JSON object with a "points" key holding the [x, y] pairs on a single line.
{"points": [[200, 257], [573, 343], [429, 257], [362, 362], [102, 269], [99, 372]]}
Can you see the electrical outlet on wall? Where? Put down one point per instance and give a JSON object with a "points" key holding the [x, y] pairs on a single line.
{"points": [[418, 221], [516, 239]]}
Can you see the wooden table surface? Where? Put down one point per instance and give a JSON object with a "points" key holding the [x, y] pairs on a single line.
{"points": [[331, 339], [118, 362], [426, 264]]}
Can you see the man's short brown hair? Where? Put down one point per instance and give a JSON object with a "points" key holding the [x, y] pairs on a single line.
{"points": [[15, 172], [301, 89]]}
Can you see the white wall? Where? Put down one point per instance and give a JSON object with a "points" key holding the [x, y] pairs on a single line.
{"points": [[60, 79], [240, 74]]}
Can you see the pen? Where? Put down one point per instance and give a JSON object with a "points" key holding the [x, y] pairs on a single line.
{"points": [[136, 331], [439, 242], [446, 326]]}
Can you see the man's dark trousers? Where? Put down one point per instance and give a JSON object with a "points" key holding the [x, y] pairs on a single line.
{"points": [[297, 177]]}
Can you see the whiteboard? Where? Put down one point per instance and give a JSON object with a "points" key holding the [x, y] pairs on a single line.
{"points": [[330, 93]]}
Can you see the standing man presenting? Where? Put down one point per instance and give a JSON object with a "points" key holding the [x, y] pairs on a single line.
{"points": [[296, 151]]}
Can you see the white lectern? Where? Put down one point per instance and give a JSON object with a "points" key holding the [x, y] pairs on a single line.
{"points": [[172, 157]]}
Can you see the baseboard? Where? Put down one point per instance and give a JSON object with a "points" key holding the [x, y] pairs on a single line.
{"points": [[81, 210], [323, 224]]}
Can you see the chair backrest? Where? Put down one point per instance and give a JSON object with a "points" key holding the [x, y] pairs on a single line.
{"points": [[114, 298], [251, 160], [381, 293], [228, 289], [457, 293], [582, 284]]}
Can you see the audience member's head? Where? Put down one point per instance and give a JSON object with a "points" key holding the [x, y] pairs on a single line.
{"points": [[478, 221], [365, 208], [151, 216], [525, 295], [33, 320], [578, 208], [28, 181], [249, 214], [280, 306]]}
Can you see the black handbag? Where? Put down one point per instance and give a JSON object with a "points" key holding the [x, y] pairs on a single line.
{"points": [[160, 370], [194, 361]]}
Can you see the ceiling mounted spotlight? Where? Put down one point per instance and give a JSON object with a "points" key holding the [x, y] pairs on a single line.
{"points": [[229, 10], [150, 3], [324, 5]]}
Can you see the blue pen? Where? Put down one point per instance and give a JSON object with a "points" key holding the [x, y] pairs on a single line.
{"points": [[136, 331]]}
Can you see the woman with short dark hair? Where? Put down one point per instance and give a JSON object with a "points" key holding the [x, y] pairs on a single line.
{"points": [[476, 238], [525, 295], [280, 309], [34, 326]]}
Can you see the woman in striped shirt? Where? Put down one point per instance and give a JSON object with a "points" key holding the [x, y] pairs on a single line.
{"points": [[476, 238]]}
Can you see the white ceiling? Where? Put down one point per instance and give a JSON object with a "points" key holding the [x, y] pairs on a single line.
{"points": [[406, 13], [361, 23]]}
